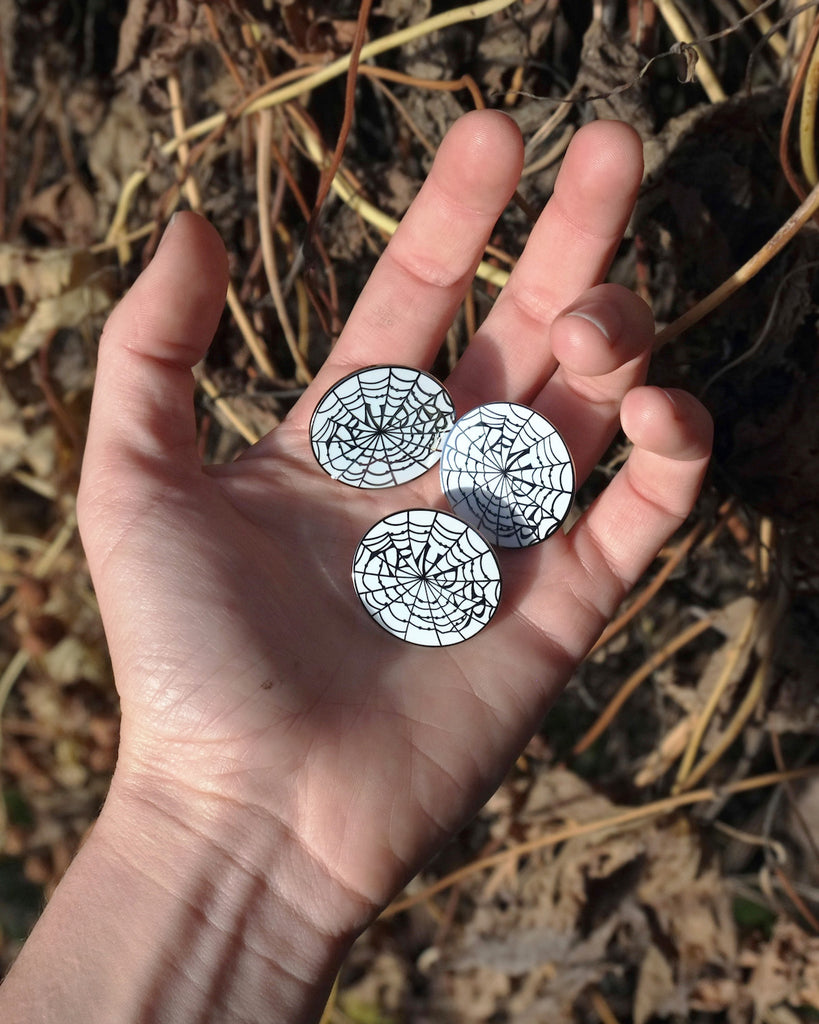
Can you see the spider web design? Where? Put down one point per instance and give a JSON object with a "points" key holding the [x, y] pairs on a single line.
{"points": [[381, 426], [427, 577], [507, 472]]}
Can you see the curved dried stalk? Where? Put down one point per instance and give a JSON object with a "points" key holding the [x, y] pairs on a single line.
{"points": [[384, 223], [263, 150], [807, 119], [732, 658], [792, 226]]}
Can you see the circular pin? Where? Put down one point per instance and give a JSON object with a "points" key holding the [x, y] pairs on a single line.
{"points": [[507, 472], [381, 426], [427, 577]]}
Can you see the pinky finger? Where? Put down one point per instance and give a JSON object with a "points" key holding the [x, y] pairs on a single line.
{"points": [[656, 489]]}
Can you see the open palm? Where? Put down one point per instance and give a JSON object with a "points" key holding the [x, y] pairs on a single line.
{"points": [[250, 675]]}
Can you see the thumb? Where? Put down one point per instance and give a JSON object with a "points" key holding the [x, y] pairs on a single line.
{"points": [[143, 395], [143, 428]]}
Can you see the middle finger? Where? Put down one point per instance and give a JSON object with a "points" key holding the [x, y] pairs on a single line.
{"points": [[569, 251]]}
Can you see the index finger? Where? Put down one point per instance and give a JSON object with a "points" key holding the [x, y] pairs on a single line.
{"points": [[414, 291], [569, 250]]}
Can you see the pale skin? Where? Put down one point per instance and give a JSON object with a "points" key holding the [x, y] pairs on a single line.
{"points": [[285, 764]]}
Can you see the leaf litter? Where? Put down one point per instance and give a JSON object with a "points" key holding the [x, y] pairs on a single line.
{"points": [[702, 910]]}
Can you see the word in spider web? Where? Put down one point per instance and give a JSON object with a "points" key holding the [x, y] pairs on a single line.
{"points": [[427, 577], [381, 426], [507, 471]]}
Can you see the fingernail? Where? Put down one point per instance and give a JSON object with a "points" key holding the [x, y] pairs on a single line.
{"points": [[168, 229], [604, 317]]}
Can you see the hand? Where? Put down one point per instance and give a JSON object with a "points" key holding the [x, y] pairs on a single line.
{"points": [[255, 689]]}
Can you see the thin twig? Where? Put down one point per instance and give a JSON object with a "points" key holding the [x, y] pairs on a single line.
{"points": [[777, 41], [792, 226], [657, 659], [683, 34], [602, 1008], [630, 816], [263, 149], [732, 658]]}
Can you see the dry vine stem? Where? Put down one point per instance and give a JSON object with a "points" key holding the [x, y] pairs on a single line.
{"points": [[252, 339], [628, 817], [263, 149], [657, 659], [807, 119], [683, 34], [798, 219], [471, 12]]}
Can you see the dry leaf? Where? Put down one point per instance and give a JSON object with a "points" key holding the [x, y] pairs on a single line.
{"points": [[13, 436], [67, 310], [44, 273], [655, 987], [64, 212], [787, 970]]}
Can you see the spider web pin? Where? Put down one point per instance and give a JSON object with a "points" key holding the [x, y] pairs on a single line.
{"points": [[427, 577], [507, 472], [381, 426]]}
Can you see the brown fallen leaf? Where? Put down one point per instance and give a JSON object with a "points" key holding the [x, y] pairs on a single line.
{"points": [[67, 310]]}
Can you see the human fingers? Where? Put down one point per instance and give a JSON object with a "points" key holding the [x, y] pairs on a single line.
{"points": [[602, 344], [569, 250], [143, 395], [414, 291], [573, 588]]}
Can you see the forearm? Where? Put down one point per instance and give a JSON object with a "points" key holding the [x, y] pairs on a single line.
{"points": [[178, 918]]}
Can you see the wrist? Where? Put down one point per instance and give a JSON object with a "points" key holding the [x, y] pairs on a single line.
{"points": [[249, 924], [183, 908]]}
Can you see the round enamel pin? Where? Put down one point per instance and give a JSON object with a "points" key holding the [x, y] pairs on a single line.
{"points": [[427, 577], [381, 426], [507, 472]]}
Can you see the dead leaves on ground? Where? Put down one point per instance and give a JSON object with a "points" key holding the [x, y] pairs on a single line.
{"points": [[643, 914]]}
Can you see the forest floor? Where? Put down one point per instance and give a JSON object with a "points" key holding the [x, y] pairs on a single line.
{"points": [[653, 853]]}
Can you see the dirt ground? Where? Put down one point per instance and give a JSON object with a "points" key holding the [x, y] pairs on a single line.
{"points": [[653, 854]]}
